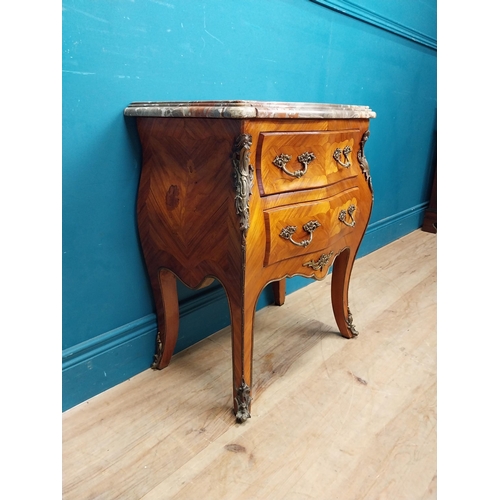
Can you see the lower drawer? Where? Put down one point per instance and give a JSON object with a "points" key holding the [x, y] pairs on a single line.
{"points": [[305, 228]]}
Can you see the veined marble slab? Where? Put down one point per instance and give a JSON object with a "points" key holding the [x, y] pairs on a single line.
{"points": [[247, 109]]}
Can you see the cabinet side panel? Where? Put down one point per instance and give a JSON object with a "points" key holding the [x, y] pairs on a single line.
{"points": [[186, 204]]}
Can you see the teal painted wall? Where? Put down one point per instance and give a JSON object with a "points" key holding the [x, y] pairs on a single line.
{"points": [[116, 52]]}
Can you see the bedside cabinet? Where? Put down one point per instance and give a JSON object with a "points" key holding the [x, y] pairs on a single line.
{"points": [[249, 193]]}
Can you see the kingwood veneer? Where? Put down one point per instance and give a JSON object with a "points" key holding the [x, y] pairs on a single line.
{"points": [[249, 193]]}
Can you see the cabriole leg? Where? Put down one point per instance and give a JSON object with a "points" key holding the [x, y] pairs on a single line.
{"points": [[167, 312], [242, 308], [279, 291], [341, 274]]}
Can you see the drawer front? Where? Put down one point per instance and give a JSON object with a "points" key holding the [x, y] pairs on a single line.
{"points": [[306, 228], [291, 161]]}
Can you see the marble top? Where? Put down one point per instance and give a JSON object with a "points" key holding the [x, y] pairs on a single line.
{"points": [[247, 109]]}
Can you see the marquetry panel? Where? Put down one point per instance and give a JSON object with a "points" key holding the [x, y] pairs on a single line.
{"points": [[292, 161], [325, 228]]}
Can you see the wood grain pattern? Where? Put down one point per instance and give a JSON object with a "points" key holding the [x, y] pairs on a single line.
{"points": [[192, 224], [332, 419]]}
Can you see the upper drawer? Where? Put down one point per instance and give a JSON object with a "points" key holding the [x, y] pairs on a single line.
{"points": [[291, 161]]}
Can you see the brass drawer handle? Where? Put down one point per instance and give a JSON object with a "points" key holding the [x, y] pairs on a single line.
{"points": [[337, 155], [305, 158], [343, 214], [309, 227]]}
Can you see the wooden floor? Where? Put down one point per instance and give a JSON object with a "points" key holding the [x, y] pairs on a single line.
{"points": [[332, 418]]}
